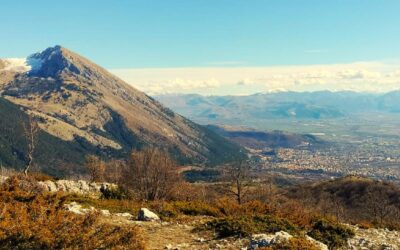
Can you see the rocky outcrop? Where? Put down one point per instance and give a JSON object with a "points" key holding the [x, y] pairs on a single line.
{"points": [[374, 239], [318, 244], [268, 240], [77, 187], [76, 208], [147, 215]]}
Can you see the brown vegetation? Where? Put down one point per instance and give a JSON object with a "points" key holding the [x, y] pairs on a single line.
{"points": [[151, 173], [150, 178], [96, 168], [353, 200], [31, 219]]}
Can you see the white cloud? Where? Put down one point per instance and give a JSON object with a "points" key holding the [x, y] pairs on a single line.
{"points": [[358, 76]]}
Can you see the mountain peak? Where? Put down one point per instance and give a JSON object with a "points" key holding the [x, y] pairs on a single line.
{"points": [[53, 61]]}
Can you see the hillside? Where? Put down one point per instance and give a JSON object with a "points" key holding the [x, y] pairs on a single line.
{"points": [[78, 102], [260, 140], [52, 155], [353, 199]]}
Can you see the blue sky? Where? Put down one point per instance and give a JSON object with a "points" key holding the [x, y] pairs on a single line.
{"points": [[129, 34]]}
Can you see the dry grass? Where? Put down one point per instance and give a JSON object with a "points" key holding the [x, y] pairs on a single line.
{"points": [[31, 219]]}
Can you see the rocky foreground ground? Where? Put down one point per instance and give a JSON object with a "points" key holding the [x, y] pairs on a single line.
{"points": [[182, 234]]}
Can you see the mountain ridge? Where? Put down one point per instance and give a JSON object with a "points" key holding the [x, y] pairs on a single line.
{"points": [[281, 105], [73, 97]]}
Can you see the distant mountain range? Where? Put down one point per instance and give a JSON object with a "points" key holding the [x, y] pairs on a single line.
{"points": [[81, 108], [280, 105]]}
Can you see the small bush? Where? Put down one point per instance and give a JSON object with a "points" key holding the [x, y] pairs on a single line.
{"points": [[41, 176], [245, 225], [333, 234], [229, 207], [165, 210], [365, 225], [295, 243], [196, 208], [115, 193], [227, 227], [271, 224]]}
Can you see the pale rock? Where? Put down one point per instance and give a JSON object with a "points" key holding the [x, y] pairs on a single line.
{"points": [[125, 215], [48, 186], [3, 179], [105, 212], [74, 208], [320, 245], [77, 208], [78, 187], [260, 240], [147, 215], [280, 236], [266, 240]]}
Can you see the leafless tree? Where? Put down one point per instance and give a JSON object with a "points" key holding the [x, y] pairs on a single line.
{"points": [[31, 130], [96, 168], [115, 171], [239, 178], [379, 205], [151, 173]]}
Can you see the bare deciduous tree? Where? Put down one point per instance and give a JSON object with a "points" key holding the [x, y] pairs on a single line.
{"points": [[31, 129], [115, 171], [238, 175], [151, 173], [96, 168]]}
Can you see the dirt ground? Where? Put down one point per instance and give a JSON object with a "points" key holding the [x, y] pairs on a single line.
{"points": [[181, 235]]}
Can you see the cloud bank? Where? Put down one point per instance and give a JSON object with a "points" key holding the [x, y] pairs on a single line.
{"points": [[357, 76]]}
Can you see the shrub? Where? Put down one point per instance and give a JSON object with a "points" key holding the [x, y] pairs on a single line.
{"points": [[247, 225], [333, 234], [271, 224], [164, 209], [227, 227], [95, 167], [41, 176], [295, 243], [115, 193], [196, 208], [36, 220], [151, 173], [365, 225], [229, 207]]}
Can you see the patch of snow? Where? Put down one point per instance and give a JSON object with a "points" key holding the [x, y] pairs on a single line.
{"points": [[276, 90], [22, 65], [34, 63]]}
